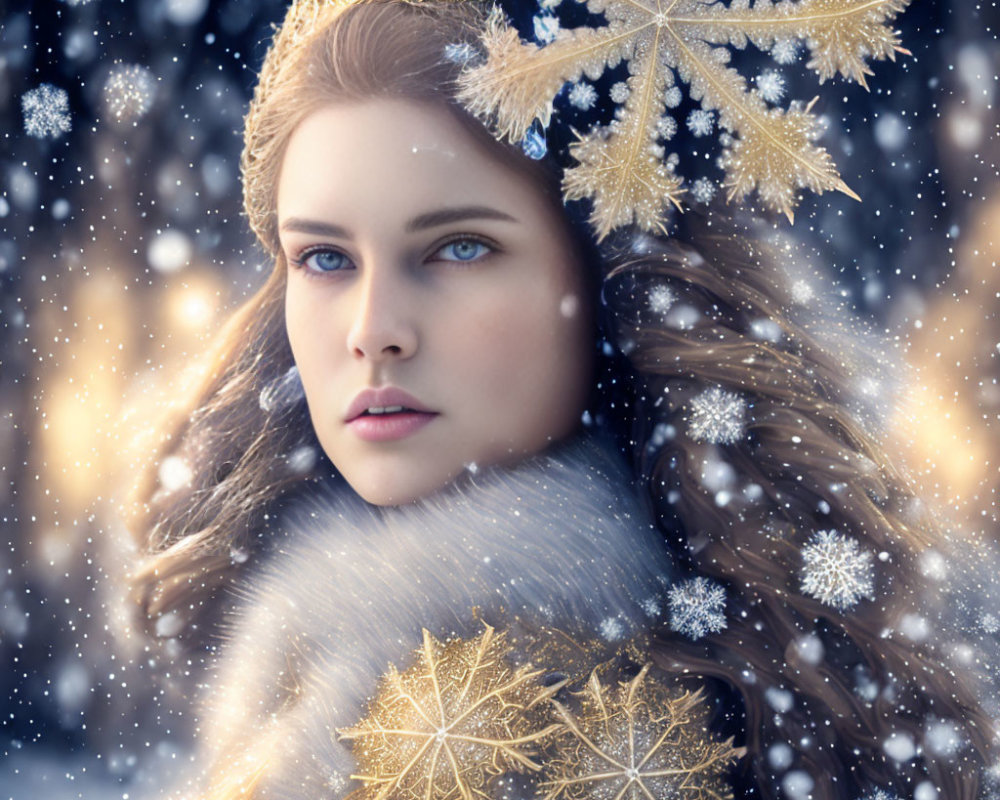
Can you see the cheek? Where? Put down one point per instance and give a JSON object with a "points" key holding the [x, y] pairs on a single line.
{"points": [[523, 349]]}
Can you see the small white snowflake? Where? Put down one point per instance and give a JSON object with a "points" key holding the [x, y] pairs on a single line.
{"points": [[785, 51], [771, 86], [879, 794], [836, 570], [46, 112], [701, 122], [802, 292], [129, 91], [717, 416], [703, 190], [612, 629], [666, 128], [583, 96], [651, 607], [697, 607], [989, 623], [619, 92], [546, 28], [661, 298]]}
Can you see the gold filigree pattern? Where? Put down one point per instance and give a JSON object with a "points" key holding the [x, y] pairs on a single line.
{"points": [[640, 742], [457, 717], [620, 165]]}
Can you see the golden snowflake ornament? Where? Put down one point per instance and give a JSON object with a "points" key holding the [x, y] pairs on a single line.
{"points": [[620, 166], [441, 729], [639, 742]]}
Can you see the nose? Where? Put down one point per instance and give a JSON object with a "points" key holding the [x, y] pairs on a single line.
{"points": [[383, 326]]}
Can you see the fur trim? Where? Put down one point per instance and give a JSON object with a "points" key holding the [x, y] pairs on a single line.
{"points": [[558, 540]]}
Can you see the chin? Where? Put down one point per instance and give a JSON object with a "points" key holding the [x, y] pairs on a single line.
{"points": [[388, 491]]}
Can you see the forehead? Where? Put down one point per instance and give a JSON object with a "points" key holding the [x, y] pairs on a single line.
{"points": [[391, 154]]}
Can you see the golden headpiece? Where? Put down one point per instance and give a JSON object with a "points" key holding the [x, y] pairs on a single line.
{"points": [[621, 166]]}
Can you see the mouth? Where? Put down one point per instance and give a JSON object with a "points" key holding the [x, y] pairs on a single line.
{"points": [[386, 414], [382, 411]]}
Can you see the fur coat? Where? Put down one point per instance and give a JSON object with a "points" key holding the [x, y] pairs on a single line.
{"points": [[559, 542]]}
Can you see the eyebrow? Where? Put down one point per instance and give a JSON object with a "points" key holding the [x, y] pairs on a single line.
{"points": [[431, 219]]}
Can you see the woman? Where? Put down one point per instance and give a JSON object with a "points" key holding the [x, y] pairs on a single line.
{"points": [[389, 468]]}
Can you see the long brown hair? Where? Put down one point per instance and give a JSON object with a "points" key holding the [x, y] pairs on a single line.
{"points": [[807, 463]]}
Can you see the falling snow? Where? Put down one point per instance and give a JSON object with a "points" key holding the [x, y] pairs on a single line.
{"points": [[46, 112], [697, 607], [836, 571]]}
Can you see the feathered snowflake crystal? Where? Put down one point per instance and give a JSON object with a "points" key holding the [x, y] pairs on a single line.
{"points": [[836, 570], [620, 165], [449, 722], [697, 607], [717, 416], [637, 743]]}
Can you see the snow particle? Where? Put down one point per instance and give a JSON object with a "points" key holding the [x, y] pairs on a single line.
{"points": [[169, 625], [836, 571], [302, 459], [879, 794], [891, 132], [673, 97], [780, 756], [186, 12], [46, 112], [703, 190], [943, 737], [170, 251], [701, 122], [697, 607], [661, 298], [284, 391], [717, 417], [612, 629], [770, 86], [129, 92], [798, 785], [582, 96], [810, 649], [174, 473], [899, 746]]}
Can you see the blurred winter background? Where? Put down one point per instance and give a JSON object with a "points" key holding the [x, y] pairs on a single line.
{"points": [[122, 248]]}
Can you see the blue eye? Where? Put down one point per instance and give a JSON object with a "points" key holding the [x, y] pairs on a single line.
{"points": [[464, 250], [323, 260]]}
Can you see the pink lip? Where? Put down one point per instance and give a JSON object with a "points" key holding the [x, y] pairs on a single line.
{"points": [[373, 428]]}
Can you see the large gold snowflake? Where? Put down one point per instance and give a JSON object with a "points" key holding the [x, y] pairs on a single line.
{"points": [[620, 165], [641, 742], [443, 727]]}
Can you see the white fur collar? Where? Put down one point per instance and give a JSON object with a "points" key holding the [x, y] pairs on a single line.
{"points": [[560, 539]]}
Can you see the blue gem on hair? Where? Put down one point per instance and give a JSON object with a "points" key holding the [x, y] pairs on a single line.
{"points": [[533, 144]]}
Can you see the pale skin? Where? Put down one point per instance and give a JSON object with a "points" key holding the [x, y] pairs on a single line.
{"points": [[418, 260]]}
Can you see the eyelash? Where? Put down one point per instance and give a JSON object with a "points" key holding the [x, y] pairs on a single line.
{"points": [[299, 261]]}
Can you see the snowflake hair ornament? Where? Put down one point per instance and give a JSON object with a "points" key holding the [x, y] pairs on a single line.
{"points": [[620, 166]]}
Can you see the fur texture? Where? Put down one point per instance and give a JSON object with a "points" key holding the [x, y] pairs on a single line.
{"points": [[559, 540]]}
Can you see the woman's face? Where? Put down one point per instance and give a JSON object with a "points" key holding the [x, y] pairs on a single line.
{"points": [[435, 305]]}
